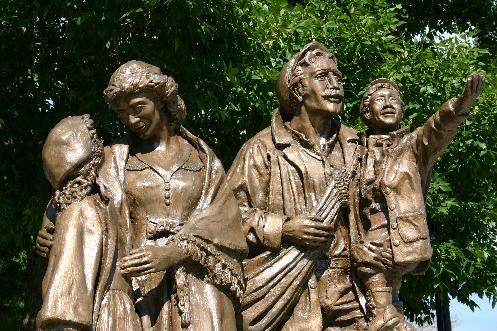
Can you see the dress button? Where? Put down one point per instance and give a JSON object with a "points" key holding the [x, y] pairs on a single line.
{"points": [[396, 242], [313, 283], [167, 195], [394, 226], [168, 202], [167, 186]]}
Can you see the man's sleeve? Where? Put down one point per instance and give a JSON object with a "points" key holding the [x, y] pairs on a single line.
{"points": [[249, 177]]}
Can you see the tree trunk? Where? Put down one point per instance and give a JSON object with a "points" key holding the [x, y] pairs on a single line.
{"points": [[443, 312]]}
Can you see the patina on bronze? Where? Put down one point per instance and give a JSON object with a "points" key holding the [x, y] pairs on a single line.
{"points": [[179, 241], [168, 193], [297, 274], [394, 178], [81, 288], [146, 234]]}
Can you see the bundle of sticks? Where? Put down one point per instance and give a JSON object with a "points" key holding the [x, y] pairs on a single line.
{"points": [[276, 280]]}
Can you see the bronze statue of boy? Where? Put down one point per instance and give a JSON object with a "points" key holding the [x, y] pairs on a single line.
{"points": [[394, 178]]}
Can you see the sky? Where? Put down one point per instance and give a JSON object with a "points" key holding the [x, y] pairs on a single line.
{"points": [[483, 319]]}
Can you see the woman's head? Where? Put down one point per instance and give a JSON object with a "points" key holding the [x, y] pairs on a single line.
{"points": [[72, 155], [138, 92]]}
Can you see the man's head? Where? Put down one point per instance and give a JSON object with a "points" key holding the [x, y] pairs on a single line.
{"points": [[311, 79], [381, 107]]}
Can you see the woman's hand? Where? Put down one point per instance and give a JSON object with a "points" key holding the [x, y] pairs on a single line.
{"points": [[44, 240], [149, 259]]}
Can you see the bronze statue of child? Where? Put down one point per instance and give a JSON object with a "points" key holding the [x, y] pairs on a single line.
{"points": [[393, 181], [80, 289]]}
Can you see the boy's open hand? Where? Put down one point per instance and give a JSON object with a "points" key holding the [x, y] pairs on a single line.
{"points": [[472, 90]]}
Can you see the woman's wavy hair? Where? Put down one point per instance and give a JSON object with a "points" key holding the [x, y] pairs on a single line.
{"points": [[138, 76]]}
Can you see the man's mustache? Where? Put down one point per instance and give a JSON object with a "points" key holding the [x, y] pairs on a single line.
{"points": [[333, 94]]}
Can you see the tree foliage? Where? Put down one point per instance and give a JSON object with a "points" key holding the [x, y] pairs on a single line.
{"points": [[57, 56]]}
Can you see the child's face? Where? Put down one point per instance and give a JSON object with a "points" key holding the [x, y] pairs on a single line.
{"points": [[385, 110]]}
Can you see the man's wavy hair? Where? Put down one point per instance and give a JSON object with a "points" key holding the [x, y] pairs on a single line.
{"points": [[293, 72], [138, 76]]}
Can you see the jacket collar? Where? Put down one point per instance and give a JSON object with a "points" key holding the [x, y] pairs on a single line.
{"points": [[281, 137], [348, 139], [394, 134], [284, 136]]}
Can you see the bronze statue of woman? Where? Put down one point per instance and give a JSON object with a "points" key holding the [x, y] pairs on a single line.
{"points": [[180, 222], [81, 289]]}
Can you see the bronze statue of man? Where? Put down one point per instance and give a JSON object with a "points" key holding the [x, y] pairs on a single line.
{"points": [[279, 178], [394, 179]]}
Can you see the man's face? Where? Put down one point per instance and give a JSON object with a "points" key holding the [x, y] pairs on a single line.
{"points": [[140, 113], [385, 110], [322, 88]]}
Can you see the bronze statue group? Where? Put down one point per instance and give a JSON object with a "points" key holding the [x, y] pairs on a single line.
{"points": [[312, 228]]}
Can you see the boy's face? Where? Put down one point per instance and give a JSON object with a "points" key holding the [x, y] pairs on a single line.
{"points": [[385, 110]]}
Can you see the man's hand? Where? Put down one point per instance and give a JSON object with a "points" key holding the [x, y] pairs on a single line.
{"points": [[149, 259], [472, 90], [44, 239], [307, 230], [372, 254]]}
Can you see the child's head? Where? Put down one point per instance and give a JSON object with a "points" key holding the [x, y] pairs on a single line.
{"points": [[72, 155], [381, 107]]}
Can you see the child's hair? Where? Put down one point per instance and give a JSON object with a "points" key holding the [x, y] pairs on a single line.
{"points": [[72, 156]]}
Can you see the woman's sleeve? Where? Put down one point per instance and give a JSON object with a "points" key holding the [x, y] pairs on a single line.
{"points": [[69, 283], [213, 237]]}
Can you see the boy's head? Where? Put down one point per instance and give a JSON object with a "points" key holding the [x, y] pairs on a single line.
{"points": [[71, 149], [381, 107]]}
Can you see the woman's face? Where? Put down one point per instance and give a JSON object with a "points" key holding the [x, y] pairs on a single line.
{"points": [[140, 113]]}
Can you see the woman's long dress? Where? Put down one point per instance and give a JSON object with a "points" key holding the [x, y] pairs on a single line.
{"points": [[188, 203]]}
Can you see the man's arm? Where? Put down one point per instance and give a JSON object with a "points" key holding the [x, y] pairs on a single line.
{"points": [[436, 134], [250, 179]]}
